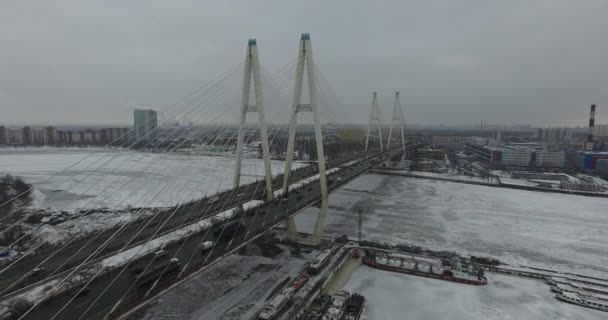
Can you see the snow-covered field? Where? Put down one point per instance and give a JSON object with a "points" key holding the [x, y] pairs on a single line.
{"points": [[521, 227], [235, 288], [93, 178], [390, 294]]}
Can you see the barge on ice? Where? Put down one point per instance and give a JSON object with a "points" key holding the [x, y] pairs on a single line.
{"points": [[421, 266]]}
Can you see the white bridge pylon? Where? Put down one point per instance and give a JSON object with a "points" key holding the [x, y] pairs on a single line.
{"points": [[252, 71], [398, 119], [305, 60], [375, 118]]}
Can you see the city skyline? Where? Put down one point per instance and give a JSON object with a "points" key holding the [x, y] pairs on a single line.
{"points": [[454, 64]]}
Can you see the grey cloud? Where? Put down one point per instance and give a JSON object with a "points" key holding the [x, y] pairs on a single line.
{"points": [[455, 62]]}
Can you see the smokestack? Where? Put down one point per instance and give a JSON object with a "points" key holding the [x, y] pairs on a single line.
{"points": [[590, 144], [591, 123]]}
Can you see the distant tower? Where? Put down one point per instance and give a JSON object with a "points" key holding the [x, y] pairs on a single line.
{"points": [[497, 135], [398, 119], [252, 70], [145, 123], [375, 118], [568, 135], [305, 60], [589, 146]]}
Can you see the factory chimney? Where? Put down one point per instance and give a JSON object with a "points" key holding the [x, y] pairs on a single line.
{"points": [[590, 144]]}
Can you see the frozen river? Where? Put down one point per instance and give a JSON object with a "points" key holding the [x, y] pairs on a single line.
{"points": [[389, 295], [520, 227], [89, 178], [532, 228]]}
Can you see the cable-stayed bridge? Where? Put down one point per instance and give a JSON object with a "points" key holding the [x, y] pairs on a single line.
{"points": [[112, 272]]}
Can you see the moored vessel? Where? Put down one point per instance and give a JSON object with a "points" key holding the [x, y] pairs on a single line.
{"points": [[422, 267], [582, 300]]}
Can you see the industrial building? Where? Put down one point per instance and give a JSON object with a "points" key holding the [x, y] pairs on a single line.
{"points": [[518, 156], [601, 167], [447, 139], [600, 131], [587, 161], [488, 156], [449, 142]]}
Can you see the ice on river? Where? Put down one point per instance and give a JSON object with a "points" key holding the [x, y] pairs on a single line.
{"points": [[553, 230], [74, 178], [392, 296]]}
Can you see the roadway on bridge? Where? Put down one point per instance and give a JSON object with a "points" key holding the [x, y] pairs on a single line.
{"points": [[60, 262], [78, 251], [274, 213]]}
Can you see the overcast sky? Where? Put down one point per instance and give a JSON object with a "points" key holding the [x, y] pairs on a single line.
{"points": [[455, 62]]}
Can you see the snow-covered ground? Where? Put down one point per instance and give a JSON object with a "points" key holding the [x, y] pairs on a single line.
{"points": [[92, 178], [389, 295], [593, 179], [54, 234], [521, 227], [235, 288]]}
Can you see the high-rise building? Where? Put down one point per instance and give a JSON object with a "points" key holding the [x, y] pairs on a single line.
{"points": [[114, 136], [145, 123], [27, 136], [38, 137], [51, 135], [15, 136], [3, 135]]}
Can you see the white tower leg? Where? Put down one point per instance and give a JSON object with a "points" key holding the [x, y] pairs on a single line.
{"points": [[292, 231], [390, 130], [375, 117], [297, 96], [402, 125], [397, 118], [252, 70], [369, 126], [312, 88], [305, 59]]}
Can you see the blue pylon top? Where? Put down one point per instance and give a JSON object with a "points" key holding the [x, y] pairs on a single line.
{"points": [[252, 42], [305, 36]]}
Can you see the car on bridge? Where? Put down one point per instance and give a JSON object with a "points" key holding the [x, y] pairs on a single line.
{"points": [[160, 253], [36, 271], [205, 246]]}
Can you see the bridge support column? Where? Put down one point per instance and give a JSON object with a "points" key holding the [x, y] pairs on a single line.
{"points": [[252, 71], [398, 118], [305, 60], [374, 118]]}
